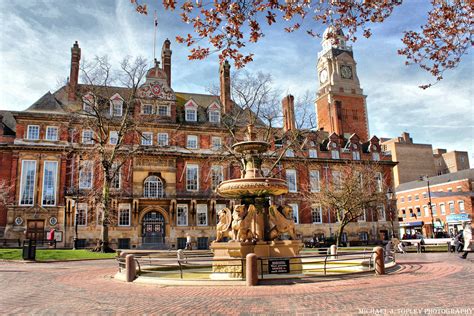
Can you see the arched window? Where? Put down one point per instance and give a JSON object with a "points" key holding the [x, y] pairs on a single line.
{"points": [[153, 187]]}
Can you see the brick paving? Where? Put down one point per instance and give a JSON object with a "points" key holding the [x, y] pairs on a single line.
{"points": [[422, 284]]}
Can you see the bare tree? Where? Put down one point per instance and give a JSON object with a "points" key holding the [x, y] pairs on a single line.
{"points": [[352, 190], [109, 113]]}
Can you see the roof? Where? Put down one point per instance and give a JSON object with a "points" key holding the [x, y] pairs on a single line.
{"points": [[8, 121], [46, 104], [444, 178]]}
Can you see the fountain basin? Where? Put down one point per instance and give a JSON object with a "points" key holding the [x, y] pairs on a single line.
{"points": [[252, 146], [253, 187]]}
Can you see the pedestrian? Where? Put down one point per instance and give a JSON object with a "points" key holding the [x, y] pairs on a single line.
{"points": [[188, 243], [459, 241], [467, 235]]}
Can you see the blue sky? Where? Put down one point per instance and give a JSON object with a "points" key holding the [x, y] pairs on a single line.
{"points": [[37, 36]]}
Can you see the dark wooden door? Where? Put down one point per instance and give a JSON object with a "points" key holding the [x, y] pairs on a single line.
{"points": [[35, 230]]}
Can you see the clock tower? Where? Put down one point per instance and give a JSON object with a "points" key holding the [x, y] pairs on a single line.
{"points": [[340, 103]]}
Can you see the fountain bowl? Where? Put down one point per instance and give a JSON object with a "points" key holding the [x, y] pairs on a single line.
{"points": [[253, 187]]}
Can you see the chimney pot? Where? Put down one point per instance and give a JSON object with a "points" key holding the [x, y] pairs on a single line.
{"points": [[224, 76], [74, 72], [289, 123]]}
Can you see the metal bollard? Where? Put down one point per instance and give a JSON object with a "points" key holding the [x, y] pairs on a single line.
{"points": [[379, 261], [130, 268], [251, 271], [333, 251]]}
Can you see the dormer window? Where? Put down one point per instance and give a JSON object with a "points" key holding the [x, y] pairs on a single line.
{"points": [[356, 155], [190, 111], [214, 113], [116, 105], [290, 153], [335, 154], [375, 156], [313, 153], [87, 102], [113, 138]]}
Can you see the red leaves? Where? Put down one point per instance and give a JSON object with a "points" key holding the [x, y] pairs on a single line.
{"points": [[270, 18]]}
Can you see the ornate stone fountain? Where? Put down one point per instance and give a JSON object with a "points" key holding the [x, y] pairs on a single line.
{"points": [[254, 226]]}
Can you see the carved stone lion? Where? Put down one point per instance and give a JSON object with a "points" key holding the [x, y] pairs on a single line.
{"points": [[223, 227], [241, 223], [283, 220]]}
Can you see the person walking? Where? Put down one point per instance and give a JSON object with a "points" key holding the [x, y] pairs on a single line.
{"points": [[467, 234]]}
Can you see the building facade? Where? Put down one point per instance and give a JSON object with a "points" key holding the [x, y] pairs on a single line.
{"points": [[167, 191], [452, 200]]}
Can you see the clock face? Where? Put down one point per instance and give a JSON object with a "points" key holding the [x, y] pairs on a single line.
{"points": [[346, 72], [323, 76]]}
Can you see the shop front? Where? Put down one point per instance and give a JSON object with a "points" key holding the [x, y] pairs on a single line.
{"points": [[408, 229], [454, 222]]}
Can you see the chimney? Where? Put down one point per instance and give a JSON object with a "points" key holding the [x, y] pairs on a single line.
{"points": [[288, 113], [166, 60], [74, 75], [224, 74]]}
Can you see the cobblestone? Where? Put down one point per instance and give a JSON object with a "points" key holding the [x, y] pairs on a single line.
{"points": [[422, 283]]}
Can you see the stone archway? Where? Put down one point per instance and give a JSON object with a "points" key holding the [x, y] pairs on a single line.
{"points": [[154, 227]]}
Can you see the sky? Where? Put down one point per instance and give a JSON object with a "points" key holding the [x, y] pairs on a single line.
{"points": [[36, 38]]}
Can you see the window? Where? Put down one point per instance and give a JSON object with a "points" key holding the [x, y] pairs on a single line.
{"points": [[336, 179], [418, 212], [87, 105], [192, 177], [85, 175], [202, 214], [363, 216], [182, 216], [147, 138], [295, 212], [363, 236], [291, 179], [314, 181], [424, 195], [52, 133], [335, 154], [459, 188], [81, 214], [147, 109], [317, 215], [191, 115], [50, 175], [461, 206], [404, 214], [153, 187], [163, 110], [450, 189], [417, 197], [116, 107], [219, 207], [313, 153], [356, 155], [117, 177], [113, 137], [378, 177], [381, 213], [87, 137], [28, 179], [433, 208], [124, 215], [214, 116], [411, 213], [402, 199], [216, 143], [375, 156], [442, 207], [451, 207], [162, 139], [426, 210], [33, 132], [192, 142], [409, 198], [290, 153], [216, 176]]}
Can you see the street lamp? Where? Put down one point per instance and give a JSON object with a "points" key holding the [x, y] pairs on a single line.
{"points": [[390, 198], [425, 178]]}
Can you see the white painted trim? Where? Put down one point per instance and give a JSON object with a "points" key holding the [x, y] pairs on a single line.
{"points": [[55, 184], [21, 184]]}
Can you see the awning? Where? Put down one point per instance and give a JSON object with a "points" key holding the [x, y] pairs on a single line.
{"points": [[411, 224]]}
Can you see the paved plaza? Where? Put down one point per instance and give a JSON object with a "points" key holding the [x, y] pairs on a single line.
{"points": [[421, 284]]}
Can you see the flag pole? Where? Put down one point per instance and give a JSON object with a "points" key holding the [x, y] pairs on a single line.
{"points": [[155, 22]]}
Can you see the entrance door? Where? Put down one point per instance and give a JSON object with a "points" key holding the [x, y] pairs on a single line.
{"points": [[35, 230], [153, 228]]}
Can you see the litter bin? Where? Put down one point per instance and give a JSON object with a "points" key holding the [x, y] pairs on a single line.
{"points": [[29, 250]]}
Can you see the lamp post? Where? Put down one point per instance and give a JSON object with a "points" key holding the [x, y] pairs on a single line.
{"points": [[425, 178], [390, 198]]}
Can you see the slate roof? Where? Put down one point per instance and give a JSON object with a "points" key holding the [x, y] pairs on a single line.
{"points": [[444, 178], [9, 122], [47, 104]]}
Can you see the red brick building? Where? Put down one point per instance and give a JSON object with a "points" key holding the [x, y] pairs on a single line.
{"points": [[167, 192], [452, 200]]}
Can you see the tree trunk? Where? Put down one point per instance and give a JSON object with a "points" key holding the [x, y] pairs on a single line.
{"points": [[104, 242], [339, 234]]}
